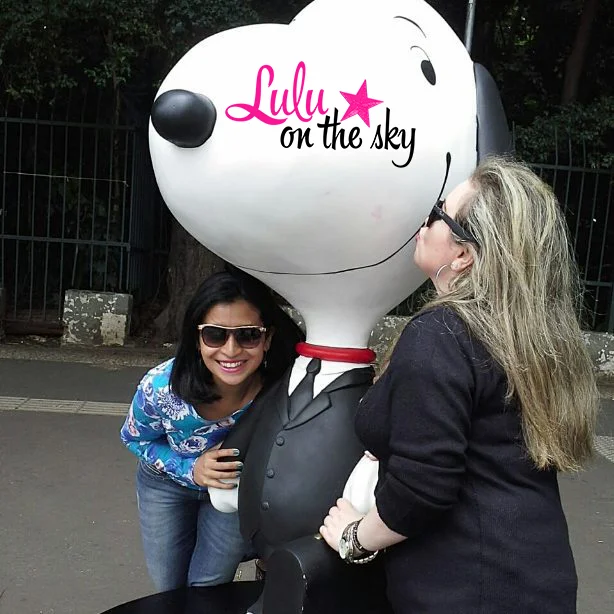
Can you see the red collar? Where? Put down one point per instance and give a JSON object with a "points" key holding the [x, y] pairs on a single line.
{"points": [[324, 352]]}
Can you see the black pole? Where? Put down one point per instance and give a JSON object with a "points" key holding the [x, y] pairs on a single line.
{"points": [[469, 24]]}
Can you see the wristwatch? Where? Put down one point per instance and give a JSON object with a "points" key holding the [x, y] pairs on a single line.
{"points": [[350, 549]]}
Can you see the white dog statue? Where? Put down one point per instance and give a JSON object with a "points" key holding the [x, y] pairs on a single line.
{"points": [[309, 155]]}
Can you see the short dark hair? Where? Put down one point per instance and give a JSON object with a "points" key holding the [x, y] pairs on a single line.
{"points": [[190, 379]]}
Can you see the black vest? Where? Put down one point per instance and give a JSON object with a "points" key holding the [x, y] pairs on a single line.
{"points": [[296, 469]]}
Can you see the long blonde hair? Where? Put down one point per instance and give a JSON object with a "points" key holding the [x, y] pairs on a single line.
{"points": [[521, 298]]}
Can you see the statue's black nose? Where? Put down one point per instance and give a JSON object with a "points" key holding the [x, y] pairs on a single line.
{"points": [[184, 118]]}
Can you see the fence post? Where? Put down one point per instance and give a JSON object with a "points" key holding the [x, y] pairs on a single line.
{"points": [[2, 313]]}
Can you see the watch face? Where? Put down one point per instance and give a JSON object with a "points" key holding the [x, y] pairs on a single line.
{"points": [[344, 548]]}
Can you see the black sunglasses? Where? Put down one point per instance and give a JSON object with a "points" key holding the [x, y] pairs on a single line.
{"points": [[248, 337], [437, 213]]}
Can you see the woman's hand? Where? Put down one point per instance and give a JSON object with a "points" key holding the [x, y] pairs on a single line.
{"points": [[209, 469], [338, 518]]}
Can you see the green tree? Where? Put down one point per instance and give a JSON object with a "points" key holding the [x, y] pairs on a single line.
{"points": [[553, 63], [47, 46]]}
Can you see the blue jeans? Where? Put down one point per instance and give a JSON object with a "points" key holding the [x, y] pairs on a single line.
{"points": [[186, 541]]}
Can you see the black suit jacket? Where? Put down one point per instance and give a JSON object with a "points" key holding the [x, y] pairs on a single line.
{"points": [[296, 469]]}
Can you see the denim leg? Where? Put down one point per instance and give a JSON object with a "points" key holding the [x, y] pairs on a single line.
{"points": [[219, 547], [168, 514]]}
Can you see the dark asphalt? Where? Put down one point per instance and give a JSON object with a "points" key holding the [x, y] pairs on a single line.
{"points": [[38, 379], [69, 539]]}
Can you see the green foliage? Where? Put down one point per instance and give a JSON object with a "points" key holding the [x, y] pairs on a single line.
{"points": [[186, 22], [526, 46], [578, 133], [278, 11], [51, 45], [33, 50]]}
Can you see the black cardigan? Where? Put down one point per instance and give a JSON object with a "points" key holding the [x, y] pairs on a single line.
{"points": [[486, 530]]}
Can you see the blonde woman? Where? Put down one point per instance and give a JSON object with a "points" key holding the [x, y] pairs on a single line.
{"points": [[488, 395]]}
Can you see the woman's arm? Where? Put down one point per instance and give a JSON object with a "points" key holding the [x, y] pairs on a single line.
{"points": [[428, 390], [373, 534], [144, 435]]}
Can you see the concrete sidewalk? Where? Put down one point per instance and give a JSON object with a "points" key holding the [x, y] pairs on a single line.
{"points": [[69, 536], [69, 533]]}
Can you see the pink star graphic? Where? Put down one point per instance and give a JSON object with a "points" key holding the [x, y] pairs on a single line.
{"points": [[360, 103]]}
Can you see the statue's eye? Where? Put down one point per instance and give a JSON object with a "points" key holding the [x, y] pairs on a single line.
{"points": [[428, 71], [426, 65]]}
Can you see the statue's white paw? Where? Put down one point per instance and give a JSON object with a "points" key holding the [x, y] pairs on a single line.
{"points": [[223, 500], [360, 487]]}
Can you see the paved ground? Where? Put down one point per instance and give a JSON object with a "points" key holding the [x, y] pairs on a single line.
{"points": [[69, 541]]}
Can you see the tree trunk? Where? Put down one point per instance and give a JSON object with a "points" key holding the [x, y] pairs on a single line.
{"points": [[575, 61], [189, 263]]}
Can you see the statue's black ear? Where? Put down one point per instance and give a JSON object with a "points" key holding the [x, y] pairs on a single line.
{"points": [[493, 135]]}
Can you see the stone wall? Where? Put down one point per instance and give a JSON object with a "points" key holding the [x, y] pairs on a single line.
{"points": [[103, 318], [601, 348], [96, 318]]}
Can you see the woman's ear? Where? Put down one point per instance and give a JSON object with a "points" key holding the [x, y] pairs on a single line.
{"points": [[463, 260]]}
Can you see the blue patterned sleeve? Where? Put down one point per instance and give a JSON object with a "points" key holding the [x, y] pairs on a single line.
{"points": [[144, 435]]}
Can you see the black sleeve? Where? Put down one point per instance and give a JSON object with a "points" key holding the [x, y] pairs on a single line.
{"points": [[430, 391]]}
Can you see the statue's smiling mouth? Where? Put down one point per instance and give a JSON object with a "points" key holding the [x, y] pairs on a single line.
{"points": [[366, 266]]}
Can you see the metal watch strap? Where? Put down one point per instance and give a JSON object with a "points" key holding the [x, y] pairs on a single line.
{"points": [[359, 554]]}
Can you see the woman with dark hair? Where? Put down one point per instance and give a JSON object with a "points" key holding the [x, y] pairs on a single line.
{"points": [[235, 341]]}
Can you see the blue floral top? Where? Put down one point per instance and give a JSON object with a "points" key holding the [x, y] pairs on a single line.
{"points": [[166, 432]]}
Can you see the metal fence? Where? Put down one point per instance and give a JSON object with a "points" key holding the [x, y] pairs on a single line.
{"points": [[79, 208], [585, 193]]}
